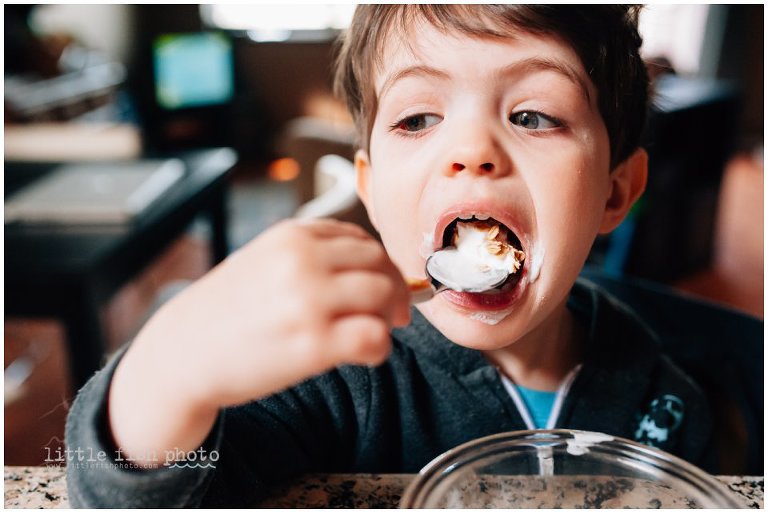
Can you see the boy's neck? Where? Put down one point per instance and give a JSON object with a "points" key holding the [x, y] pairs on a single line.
{"points": [[542, 358]]}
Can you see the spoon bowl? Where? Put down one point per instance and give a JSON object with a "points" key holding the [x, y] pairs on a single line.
{"points": [[446, 272]]}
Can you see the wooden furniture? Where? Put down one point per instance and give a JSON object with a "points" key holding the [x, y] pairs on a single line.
{"points": [[69, 272]]}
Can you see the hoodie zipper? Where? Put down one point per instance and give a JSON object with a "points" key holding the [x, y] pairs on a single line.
{"points": [[562, 392]]}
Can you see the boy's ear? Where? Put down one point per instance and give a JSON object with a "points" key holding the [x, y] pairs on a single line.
{"points": [[627, 184], [363, 182]]}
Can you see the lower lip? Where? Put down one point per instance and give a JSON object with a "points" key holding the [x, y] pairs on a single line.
{"points": [[485, 302]]}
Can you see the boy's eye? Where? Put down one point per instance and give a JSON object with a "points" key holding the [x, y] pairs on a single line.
{"points": [[417, 123], [533, 120]]}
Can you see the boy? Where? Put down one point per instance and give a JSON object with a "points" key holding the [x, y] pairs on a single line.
{"points": [[527, 117]]}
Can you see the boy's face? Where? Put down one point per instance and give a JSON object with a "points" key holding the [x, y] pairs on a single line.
{"points": [[507, 128]]}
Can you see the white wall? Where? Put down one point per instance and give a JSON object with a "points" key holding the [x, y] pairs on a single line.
{"points": [[99, 27], [676, 32]]}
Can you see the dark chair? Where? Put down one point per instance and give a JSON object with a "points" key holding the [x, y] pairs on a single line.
{"points": [[720, 348], [676, 214]]}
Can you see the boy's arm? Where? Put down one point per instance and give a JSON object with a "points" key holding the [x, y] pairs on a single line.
{"points": [[100, 475], [312, 427], [299, 300]]}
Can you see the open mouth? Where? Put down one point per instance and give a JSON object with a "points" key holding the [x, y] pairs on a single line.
{"points": [[490, 242]]}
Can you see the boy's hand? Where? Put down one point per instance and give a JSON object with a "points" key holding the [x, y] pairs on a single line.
{"points": [[300, 299]]}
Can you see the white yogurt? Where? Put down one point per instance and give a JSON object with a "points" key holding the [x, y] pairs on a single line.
{"points": [[471, 243], [470, 257], [535, 260], [582, 441], [491, 318], [427, 245], [470, 262]]}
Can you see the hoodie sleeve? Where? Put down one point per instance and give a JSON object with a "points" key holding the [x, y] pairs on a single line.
{"points": [[100, 476], [312, 427]]}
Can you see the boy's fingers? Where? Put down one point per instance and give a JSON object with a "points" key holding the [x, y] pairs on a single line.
{"points": [[361, 339], [346, 253], [351, 248], [362, 292], [402, 314], [370, 255], [401, 303]]}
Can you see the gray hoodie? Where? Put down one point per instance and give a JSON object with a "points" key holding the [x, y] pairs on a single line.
{"points": [[428, 397]]}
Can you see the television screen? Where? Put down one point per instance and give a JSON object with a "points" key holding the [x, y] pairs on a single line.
{"points": [[193, 70]]}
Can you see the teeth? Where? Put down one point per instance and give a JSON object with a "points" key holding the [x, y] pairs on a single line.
{"points": [[476, 217]]}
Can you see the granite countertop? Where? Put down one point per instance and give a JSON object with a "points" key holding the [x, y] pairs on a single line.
{"points": [[45, 487]]}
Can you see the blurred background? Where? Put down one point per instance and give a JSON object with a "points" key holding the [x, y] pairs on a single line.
{"points": [[114, 85]]}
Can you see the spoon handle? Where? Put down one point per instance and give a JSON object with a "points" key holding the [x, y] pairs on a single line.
{"points": [[423, 289]]}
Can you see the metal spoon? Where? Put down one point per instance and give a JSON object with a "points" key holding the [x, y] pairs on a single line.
{"points": [[446, 270]]}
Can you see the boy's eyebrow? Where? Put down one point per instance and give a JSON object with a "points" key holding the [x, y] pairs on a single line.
{"points": [[545, 64], [530, 64], [416, 70]]}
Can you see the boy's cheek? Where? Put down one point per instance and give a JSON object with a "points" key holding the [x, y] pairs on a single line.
{"points": [[565, 258], [397, 228], [568, 218], [399, 233]]}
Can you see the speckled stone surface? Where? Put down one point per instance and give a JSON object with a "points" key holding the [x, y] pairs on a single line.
{"points": [[567, 492], [747, 488], [35, 487], [45, 487]]}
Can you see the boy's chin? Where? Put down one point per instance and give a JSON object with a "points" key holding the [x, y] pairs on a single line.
{"points": [[481, 330]]}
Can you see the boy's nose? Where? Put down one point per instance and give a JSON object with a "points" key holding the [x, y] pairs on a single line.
{"points": [[478, 155], [485, 167]]}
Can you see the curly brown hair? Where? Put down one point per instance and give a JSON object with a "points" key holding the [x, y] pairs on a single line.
{"points": [[605, 38]]}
